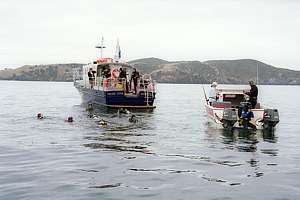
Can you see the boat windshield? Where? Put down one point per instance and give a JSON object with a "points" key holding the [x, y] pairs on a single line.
{"points": [[234, 99]]}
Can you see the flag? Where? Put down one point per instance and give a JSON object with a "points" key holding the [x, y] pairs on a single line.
{"points": [[118, 52]]}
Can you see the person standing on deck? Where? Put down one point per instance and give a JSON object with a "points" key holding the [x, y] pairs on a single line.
{"points": [[122, 73], [253, 93], [212, 96], [134, 77], [123, 77], [91, 75]]}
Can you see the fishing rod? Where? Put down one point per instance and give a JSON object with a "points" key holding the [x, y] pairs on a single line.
{"points": [[205, 95]]}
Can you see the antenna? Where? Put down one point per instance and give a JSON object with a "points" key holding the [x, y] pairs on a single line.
{"points": [[257, 73], [101, 46]]}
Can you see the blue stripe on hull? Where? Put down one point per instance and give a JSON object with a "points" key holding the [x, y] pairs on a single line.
{"points": [[114, 98]]}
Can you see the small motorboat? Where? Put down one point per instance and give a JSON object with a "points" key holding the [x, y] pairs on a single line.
{"points": [[231, 106]]}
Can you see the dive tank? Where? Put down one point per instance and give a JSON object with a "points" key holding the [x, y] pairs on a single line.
{"points": [[271, 118]]}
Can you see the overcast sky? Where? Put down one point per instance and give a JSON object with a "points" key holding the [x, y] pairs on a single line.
{"points": [[62, 31]]}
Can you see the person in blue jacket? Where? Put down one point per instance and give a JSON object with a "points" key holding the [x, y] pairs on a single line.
{"points": [[246, 116]]}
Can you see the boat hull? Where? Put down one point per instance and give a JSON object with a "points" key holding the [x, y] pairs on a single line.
{"points": [[117, 99], [216, 115]]}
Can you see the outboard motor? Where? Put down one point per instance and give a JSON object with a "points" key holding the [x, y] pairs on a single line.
{"points": [[271, 118], [229, 118]]}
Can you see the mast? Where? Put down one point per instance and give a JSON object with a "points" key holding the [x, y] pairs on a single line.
{"points": [[257, 73], [101, 46], [118, 52]]}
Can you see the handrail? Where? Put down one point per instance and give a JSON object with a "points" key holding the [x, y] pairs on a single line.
{"points": [[77, 74], [146, 81]]}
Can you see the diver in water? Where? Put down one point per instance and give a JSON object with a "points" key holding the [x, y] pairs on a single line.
{"points": [[69, 119], [102, 123], [40, 116], [133, 119], [122, 111], [90, 110], [245, 118]]}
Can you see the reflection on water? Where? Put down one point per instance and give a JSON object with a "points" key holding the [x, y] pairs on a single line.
{"points": [[242, 140], [247, 141], [118, 133]]}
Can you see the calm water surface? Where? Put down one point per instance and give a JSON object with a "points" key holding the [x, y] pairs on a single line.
{"points": [[172, 153]]}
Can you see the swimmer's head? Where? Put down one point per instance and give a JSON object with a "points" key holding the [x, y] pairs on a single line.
{"points": [[40, 116]]}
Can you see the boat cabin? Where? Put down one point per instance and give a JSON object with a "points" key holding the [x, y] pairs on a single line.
{"points": [[230, 98], [108, 77]]}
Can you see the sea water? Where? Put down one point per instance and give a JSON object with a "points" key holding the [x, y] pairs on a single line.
{"points": [[173, 152]]}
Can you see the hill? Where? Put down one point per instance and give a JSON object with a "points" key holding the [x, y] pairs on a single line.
{"points": [[222, 71], [53, 72], [238, 71]]}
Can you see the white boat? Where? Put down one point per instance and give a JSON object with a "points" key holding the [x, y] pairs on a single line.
{"points": [[226, 112]]}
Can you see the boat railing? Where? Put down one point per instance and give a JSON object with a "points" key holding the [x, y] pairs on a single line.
{"points": [[77, 74], [148, 86], [145, 84]]}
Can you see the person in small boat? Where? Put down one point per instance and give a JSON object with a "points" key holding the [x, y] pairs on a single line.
{"points": [[212, 96], [253, 93], [245, 118], [134, 77], [91, 75]]}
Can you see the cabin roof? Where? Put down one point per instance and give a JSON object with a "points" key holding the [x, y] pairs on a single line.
{"points": [[117, 64], [231, 91]]}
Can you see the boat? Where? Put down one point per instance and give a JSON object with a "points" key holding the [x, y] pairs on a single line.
{"points": [[226, 112], [107, 88]]}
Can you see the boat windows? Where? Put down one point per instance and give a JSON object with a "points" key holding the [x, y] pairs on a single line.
{"points": [[234, 99], [225, 104], [103, 70]]}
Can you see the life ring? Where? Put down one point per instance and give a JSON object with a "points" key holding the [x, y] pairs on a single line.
{"points": [[115, 73], [105, 82]]}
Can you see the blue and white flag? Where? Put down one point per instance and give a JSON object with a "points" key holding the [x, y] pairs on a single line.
{"points": [[118, 52]]}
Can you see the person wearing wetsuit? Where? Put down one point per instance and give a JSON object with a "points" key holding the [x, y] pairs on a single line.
{"points": [[246, 117], [91, 75], [252, 94], [123, 77], [134, 77], [122, 73]]}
